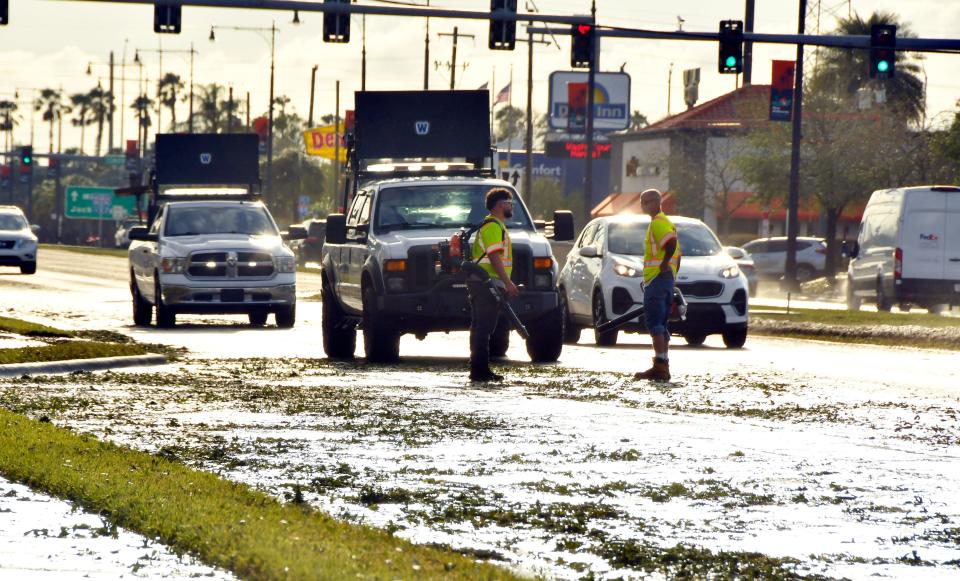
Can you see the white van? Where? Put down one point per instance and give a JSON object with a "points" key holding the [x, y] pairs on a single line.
{"points": [[908, 249]]}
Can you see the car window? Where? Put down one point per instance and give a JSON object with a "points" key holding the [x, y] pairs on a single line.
{"points": [[193, 221], [155, 227], [698, 240], [586, 237], [600, 237], [12, 222], [439, 206], [756, 247], [777, 246], [627, 238], [355, 207]]}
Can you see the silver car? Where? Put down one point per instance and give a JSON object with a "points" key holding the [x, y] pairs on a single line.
{"points": [[18, 241], [770, 256]]}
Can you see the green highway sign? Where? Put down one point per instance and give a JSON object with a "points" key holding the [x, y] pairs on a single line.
{"points": [[97, 203], [115, 160]]}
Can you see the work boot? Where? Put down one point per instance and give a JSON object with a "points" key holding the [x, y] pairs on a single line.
{"points": [[484, 375], [659, 372]]}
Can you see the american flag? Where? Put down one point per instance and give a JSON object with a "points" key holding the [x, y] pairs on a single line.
{"points": [[482, 87], [504, 95]]}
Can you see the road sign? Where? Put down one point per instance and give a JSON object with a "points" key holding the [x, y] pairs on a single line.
{"points": [[96, 203], [114, 160]]}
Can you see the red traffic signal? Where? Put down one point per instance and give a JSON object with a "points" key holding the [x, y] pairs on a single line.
{"points": [[582, 49]]}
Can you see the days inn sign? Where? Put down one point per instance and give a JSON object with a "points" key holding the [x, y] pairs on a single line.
{"points": [[611, 101]]}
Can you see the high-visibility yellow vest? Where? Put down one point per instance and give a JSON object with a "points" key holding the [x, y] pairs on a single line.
{"points": [[659, 233], [493, 237]]}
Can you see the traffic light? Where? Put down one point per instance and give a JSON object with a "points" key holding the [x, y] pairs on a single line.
{"points": [[503, 33], [731, 47], [26, 156], [4, 12], [883, 54], [581, 54], [336, 27], [166, 17]]}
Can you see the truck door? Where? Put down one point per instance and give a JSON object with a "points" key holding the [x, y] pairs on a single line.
{"points": [[951, 242], [922, 238], [355, 251]]}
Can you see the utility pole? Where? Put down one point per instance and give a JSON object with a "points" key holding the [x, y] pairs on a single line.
{"points": [[669, 87], [336, 143], [313, 84], [230, 110], [747, 45], [453, 60], [591, 85], [363, 53], [426, 56], [110, 118], [793, 201], [528, 172]]}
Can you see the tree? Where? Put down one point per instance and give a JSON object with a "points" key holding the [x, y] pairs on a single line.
{"points": [[210, 112], [101, 106], [844, 72], [8, 111], [170, 87], [511, 124], [53, 107], [142, 105], [82, 114], [722, 177], [638, 121]]}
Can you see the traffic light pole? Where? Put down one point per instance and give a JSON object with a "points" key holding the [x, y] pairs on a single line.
{"points": [[591, 85], [793, 202]]}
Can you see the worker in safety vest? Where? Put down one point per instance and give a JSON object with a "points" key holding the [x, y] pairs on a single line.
{"points": [[661, 260]]}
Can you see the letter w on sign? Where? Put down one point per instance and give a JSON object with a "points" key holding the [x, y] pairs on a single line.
{"points": [[422, 127]]}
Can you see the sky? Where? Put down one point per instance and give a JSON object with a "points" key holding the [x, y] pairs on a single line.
{"points": [[49, 43]]}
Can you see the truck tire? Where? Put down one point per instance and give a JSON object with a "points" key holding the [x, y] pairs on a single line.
{"points": [[609, 338], [257, 318], [853, 301], [884, 303], [571, 332], [166, 316], [286, 317], [142, 310], [381, 342], [28, 267], [735, 336], [500, 339], [546, 337], [339, 341]]}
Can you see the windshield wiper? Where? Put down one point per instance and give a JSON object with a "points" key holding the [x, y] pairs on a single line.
{"points": [[410, 226]]}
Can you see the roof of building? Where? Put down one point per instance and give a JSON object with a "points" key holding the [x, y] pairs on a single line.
{"points": [[747, 106]]}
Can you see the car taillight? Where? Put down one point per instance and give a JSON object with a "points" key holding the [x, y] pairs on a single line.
{"points": [[821, 250], [897, 264], [312, 239]]}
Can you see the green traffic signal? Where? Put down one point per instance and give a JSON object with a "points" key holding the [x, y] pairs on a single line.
{"points": [[731, 62], [883, 66]]}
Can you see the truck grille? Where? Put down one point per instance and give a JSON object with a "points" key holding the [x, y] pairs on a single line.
{"points": [[213, 265], [6, 244], [701, 290]]}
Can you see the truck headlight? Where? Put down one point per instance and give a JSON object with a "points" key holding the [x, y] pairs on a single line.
{"points": [[286, 263], [624, 269], [173, 265], [730, 272], [542, 280]]}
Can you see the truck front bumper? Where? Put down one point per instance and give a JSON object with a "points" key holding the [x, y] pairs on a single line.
{"points": [[187, 299], [449, 309]]}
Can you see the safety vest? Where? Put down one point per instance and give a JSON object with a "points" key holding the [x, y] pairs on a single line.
{"points": [[659, 233], [493, 237]]}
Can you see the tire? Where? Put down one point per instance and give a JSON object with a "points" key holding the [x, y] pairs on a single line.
{"points": [[142, 310], [735, 337], [339, 341], [884, 303], [546, 337], [805, 272], [936, 308], [257, 318], [286, 316], [609, 338], [695, 340], [500, 339], [28, 267], [381, 341], [853, 301], [571, 332], [166, 316]]}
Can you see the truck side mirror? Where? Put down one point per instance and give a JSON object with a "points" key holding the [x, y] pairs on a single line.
{"points": [[294, 233], [141, 233], [540, 225], [855, 250], [337, 229], [563, 225]]}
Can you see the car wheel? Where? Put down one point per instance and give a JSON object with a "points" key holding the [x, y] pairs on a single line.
{"points": [[695, 340], [381, 341], [884, 303], [735, 337], [936, 308], [286, 316], [853, 301], [546, 337], [166, 316], [500, 339], [142, 310], [571, 332], [599, 317], [339, 337], [805, 272], [28, 267], [257, 318]]}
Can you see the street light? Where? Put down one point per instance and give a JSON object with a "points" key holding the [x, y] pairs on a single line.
{"points": [[273, 34], [162, 51]]}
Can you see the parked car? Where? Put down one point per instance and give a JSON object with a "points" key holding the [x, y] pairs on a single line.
{"points": [[908, 249], [770, 256], [603, 277], [121, 238], [310, 249], [747, 266], [18, 240]]}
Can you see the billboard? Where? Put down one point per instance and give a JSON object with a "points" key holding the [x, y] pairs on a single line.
{"points": [[611, 101]]}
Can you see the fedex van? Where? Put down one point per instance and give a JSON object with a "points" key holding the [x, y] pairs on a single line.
{"points": [[908, 249]]}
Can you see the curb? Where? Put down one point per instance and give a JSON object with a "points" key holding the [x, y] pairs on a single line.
{"points": [[70, 365]]}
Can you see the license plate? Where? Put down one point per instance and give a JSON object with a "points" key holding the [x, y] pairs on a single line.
{"points": [[231, 295]]}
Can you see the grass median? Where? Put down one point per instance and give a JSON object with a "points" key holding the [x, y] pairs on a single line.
{"points": [[28, 329], [223, 523], [122, 252], [69, 350]]}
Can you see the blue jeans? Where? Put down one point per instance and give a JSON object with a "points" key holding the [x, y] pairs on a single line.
{"points": [[657, 301]]}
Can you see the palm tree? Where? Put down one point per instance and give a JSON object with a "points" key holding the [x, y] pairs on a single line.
{"points": [[210, 108], [638, 121], [101, 106], [142, 106], [82, 116], [9, 120], [170, 86], [51, 103], [844, 72]]}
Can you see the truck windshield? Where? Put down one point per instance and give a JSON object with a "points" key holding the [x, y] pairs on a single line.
{"points": [[695, 239], [194, 221], [438, 206]]}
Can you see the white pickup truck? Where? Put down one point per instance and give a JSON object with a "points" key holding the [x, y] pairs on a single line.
{"points": [[209, 255]]}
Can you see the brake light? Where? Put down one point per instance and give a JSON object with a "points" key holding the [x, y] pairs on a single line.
{"points": [[543, 263], [821, 250], [897, 264]]}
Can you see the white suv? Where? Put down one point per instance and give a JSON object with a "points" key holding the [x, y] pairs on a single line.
{"points": [[18, 243], [603, 280]]}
